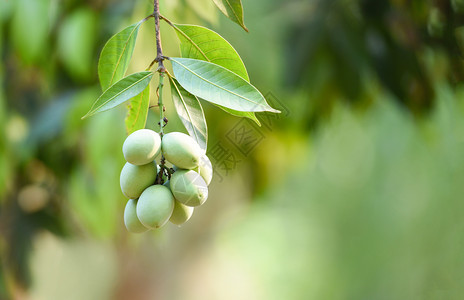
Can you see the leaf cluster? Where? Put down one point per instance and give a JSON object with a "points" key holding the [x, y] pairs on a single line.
{"points": [[209, 69]]}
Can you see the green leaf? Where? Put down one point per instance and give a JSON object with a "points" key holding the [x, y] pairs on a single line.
{"points": [[218, 85], [204, 44], [137, 111], [120, 92], [116, 55], [246, 114], [190, 113], [233, 10]]}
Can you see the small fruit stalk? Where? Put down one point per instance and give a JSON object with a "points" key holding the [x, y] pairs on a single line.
{"points": [[159, 193]]}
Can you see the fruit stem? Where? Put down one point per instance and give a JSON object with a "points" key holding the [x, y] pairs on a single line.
{"points": [[161, 70], [160, 102], [159, 177]]}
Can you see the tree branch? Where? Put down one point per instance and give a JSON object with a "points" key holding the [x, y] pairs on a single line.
{"points": [[159, 49]]}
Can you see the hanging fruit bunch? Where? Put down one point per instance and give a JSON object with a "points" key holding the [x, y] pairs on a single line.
{"points": [[162, 193], [167, 175]]}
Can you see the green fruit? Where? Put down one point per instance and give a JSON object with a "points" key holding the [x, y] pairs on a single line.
{"points": [[141, 147], [131, 220], [205, 169], [134, 179], [181, 213], [181, 150], [155, 206], [188, 187]]}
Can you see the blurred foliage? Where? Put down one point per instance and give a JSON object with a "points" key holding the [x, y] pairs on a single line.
{"points": [[342, 43], [364, 205], [380, 220]]}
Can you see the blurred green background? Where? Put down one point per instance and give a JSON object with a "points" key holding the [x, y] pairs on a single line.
{"points": [[355, 191]]}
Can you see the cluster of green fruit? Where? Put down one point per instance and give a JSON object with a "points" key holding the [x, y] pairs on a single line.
{"points": [[159, 193]]}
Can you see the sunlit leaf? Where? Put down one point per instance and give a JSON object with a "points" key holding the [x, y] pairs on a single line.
{"points": [[246, 114], [190, 113], [202, 43], [136, 117], [218, 85], [120, 92], [233, 10], [116, 55]]}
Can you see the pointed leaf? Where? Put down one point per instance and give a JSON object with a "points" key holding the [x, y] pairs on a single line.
{"points": [[190, 113], [120, 92], [246, 114], [136, 117], [218, 85], [204, 44], [233, 10], [116, 55]]}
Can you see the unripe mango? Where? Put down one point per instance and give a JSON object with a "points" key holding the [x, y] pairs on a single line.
{"points": [[188, 187], [181, 150], [141, 147], [134, 179], [205, 169], [181, 213], [131, 220], [155, 206]]}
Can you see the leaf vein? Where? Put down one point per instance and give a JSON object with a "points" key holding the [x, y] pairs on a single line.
{"points": [[206, 80]]}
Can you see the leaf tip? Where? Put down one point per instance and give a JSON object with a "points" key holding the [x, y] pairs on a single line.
{"points": [[85, 116], [274, 110]]}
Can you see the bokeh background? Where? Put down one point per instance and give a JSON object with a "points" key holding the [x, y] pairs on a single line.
{"points": [[355, 191]]}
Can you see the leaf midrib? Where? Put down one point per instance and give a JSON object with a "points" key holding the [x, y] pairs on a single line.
{"points": [[191, 41], [238, 62], [233, 11], [185, 106], [97, 108], [218, 85], [122, 53]]}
